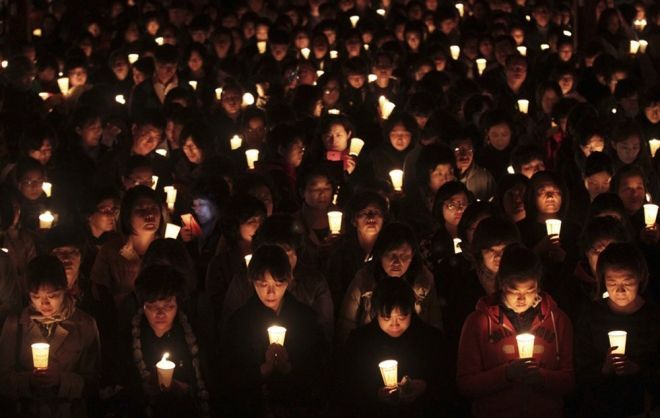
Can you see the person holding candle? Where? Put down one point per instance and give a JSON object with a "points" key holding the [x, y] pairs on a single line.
{"points": [[395, 257], [30, 177], [332, 151], [70, 382], [499, 143], [198, 154], [161, 325], [19, 242], [477, 179], [289, 373], [398, 334], [615, 385], [489, 370]]}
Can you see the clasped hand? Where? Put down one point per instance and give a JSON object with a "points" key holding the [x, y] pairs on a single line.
{"points": [[525, 370], [276, 359]]}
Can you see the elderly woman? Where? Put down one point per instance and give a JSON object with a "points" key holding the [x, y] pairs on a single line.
{"points": [[395, 256], [490, 372], [71, 378], [266, 375]]}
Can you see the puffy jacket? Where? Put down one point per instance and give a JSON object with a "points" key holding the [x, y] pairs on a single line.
{"points": [[488, 344]]}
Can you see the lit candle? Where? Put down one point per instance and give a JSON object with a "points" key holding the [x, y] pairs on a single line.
{"points": [[397, 179], [544, 47], [366, 47], [334, 112], [44, 96], [165, 369], [161, 151], [218, 93], [460, 8], [40, 355], [172, 231], [525, 345], [510, 170], [305, 52], [553, 226], [618, 340], [634, 47], [523, 105], [132, 58], [389, 372], [261, 46], [372, 77], [160, 40], [4, 250], [381, 12], [457, 246], [47, 188], [528, 18], [481, 65], [248, 99], [276, 335], [193, 84], [334, 54], [235, 142], [46, 220], [120, 99], [642, 46], [650, 214], [252, 156], [386, 107], [63, 84], [334, 221], [648, 197], [154, 182], [37, 32], [639, 24], [170, 192], [319, 73], [567, 33], [654, 144], [606, 295], [354, 20], [356, 146], [247, 259], [522, 50], [455, 51]]}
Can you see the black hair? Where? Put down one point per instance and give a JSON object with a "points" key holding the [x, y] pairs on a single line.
{"points": [[627, 171], [158, 282], [45, 270], [472, 213], [166, 54], [171, 253], [430, 157], [597, 162], [240, 209], [408, 122], [493, 231], [270, 259], [623, 256], [602, 228], [391, 237], [200, 136], [282, 230], [90, 200], [390, 294], [524, 154], [128, 203], [136, 162], [361, 200], [26, 165], [65, 236], [444, 193], [518, 264], [539, 179]]}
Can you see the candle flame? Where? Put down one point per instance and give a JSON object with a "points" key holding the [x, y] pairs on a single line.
{"points": [[165, 357]]}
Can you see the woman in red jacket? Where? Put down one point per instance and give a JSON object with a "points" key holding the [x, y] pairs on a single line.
{"points": [[490, 372]]}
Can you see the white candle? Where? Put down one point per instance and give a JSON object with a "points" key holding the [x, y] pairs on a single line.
{"points": [[193, 84], [334, 112], [40, 355], [218, 93], [389, 372], [165, 369], [235, 142], [650, 214], [171, 194], [44, 95], [319, 73], [523, 105], [522, 50], [567, 33], [37, 32], [305, 52], [334, 221], [356, 146], [160, 40], [247, 259], [46, 220], [654, 144], [4, 250], [639, 24], [634, 47], [460, 8], [172, 231], [334, 54], [154, 182], [481, 65], [455, 51], [618, 339], [642, 46], [252, 156], [544, 47], [132, 58], [47, 188], [161, 151], [457, 246], [525, 345], [553, 226], [386, 107], [63, 84], [372, 77], [261, 46], [4, 63], [354, 20], [276, 335], [397, 179], [248, 99], [366, 47], [120, 99], [381, 12], [510, 170], [648, 197]]}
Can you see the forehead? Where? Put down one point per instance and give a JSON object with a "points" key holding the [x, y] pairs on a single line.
{"points": [[612, 273], [403, 248], [523, 285]]}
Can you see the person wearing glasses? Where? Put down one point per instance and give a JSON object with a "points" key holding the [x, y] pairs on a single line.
{"points": [[30, 178], [477, 179], [100, 211]]}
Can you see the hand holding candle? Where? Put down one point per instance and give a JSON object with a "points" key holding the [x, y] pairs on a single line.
{"points": [[356, 146], [389, 372], [47, 188], [553, 226], [276, 335], [40, 355], [165, 369], [397, 179], [650, 214], [618, 340], [525, 345], [252, 156], [334, 221], [46, 220], [172, 231]]}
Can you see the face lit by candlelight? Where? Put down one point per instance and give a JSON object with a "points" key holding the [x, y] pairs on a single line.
{"points": [[270, 291], [160, 314], [622, 286], [520, 296], [47, 300], [394, 324], [396, 261], [70, 257]]}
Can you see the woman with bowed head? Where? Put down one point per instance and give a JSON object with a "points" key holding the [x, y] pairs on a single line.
{"points": [[619, 377], [395, 257], [161, 330], [490, 370], [70, 380], [397, 334], [264, 374]]}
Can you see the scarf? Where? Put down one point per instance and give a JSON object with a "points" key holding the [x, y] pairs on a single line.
{"points": [[47, 323]]}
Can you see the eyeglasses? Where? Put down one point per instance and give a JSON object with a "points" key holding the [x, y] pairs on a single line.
{"points": [[370, 214], [66, 254], [113, 211], [454, 206]]}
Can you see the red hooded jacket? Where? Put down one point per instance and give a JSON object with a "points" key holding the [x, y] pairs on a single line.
{"points": [[488, 344]]}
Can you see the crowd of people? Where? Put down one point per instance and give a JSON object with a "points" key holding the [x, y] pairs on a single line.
{"points": [[465, 188]]}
